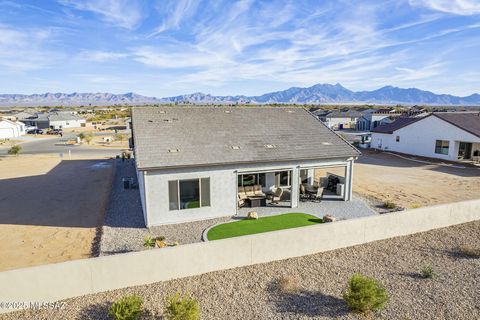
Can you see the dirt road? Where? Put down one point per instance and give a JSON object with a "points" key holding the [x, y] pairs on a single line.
{"points": [[412, 184], [49, 208]]}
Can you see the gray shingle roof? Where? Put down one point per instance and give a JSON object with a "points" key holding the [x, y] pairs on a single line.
{"points": [[206, 135], [395, 125], [468, 121]]}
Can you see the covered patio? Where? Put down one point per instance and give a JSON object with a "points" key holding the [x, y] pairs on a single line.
{"points": [[290, 187], [341, 210]]}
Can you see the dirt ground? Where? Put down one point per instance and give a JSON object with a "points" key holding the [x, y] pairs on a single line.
{"points": [[412, 184], [50, 208]]}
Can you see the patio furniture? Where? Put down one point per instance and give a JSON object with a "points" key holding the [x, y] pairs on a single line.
{"points": [[303, 193], [318, 196], [277, 195], [249, 191], [257, 190], [257, 201]]}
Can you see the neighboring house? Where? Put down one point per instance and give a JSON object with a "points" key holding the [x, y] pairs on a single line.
{"points": [[370, 120], [192, 161], [339, 119], [445, 135], [11, 129], [56, 120]]}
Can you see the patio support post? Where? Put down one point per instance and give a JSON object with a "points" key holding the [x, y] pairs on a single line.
{"points": [[349, 181], [295, 189]]}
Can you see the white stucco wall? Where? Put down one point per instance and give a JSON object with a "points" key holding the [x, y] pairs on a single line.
{"points": [[67, 124], [334, 123], [419, 138], [223, 189], [9, 130]]}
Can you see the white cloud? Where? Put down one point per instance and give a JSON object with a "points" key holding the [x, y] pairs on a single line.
{"points": [[101, 56], [25, 49], [459, 7], [174, 12], [124, 13]]}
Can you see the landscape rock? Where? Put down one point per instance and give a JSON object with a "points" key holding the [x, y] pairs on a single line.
{"points": [[252, 215], [329, 218]]}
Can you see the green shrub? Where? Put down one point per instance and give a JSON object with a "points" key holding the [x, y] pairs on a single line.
{"points": [[428, 272], [15, 150], [389, 205], [81, 135], [126, 308], [149, 242], [182, 308], [364, 294]]}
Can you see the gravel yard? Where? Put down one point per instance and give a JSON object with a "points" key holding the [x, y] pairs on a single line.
{"points": [[250, 292], [124, 228]]}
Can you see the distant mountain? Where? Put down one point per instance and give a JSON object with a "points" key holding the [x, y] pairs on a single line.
{"points": [[317, 94]]}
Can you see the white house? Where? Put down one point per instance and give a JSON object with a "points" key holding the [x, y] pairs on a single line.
{"points": [[339, 119], [11, 129], [193, 163], [445, 135], [56, 120]]}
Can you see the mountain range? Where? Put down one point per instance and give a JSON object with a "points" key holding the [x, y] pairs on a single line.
{"points": [[317, 94]]}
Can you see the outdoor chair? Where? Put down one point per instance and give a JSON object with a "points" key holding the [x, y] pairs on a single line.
{"points": [[249, 191], [317, 197], [257, 190], [277, 195], [241, 200], [303, 193]]}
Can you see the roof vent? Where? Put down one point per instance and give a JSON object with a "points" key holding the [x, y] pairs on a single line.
{"points": [[167, 120], [162, 111], [235, 147], [150, 120], [290, 111], [270, 146], [327, 143], [227, 111], [173, 150]]}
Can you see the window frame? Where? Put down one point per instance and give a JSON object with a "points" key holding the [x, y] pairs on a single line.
{"points": [[441, 146], [397, 139], [178, 192], [279, 180], [257, 179]]}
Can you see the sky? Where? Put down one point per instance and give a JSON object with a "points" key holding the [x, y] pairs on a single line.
{"points": [[224, 47]]}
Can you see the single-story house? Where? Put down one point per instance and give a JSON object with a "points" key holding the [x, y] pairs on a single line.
{"points": [[444, 135], [194, 163], [56, 120], [370, 120], [341, 119], [11, 129]]}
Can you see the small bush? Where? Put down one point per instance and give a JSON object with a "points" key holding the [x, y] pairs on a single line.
{"points": [[126, 308], [364, 294], [160, 238], [428, 272], [389, 205], [149, 242], [182, 308], [288, 284], [15, 150], [470, 251], [81, 135]]}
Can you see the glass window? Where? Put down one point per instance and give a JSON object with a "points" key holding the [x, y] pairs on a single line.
{"points": [[441, 147], [205, 192], [282, 178], [397, 138], [189, 194], [173, 194], [261, 179], [251, 179]]}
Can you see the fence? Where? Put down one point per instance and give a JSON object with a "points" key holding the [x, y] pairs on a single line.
{"points": [[54, 282]]}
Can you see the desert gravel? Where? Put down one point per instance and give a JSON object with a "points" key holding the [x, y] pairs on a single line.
{"points": [[250, 292]]}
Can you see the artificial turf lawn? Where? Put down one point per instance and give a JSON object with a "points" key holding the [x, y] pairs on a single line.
{"points": [[265, 224]]}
